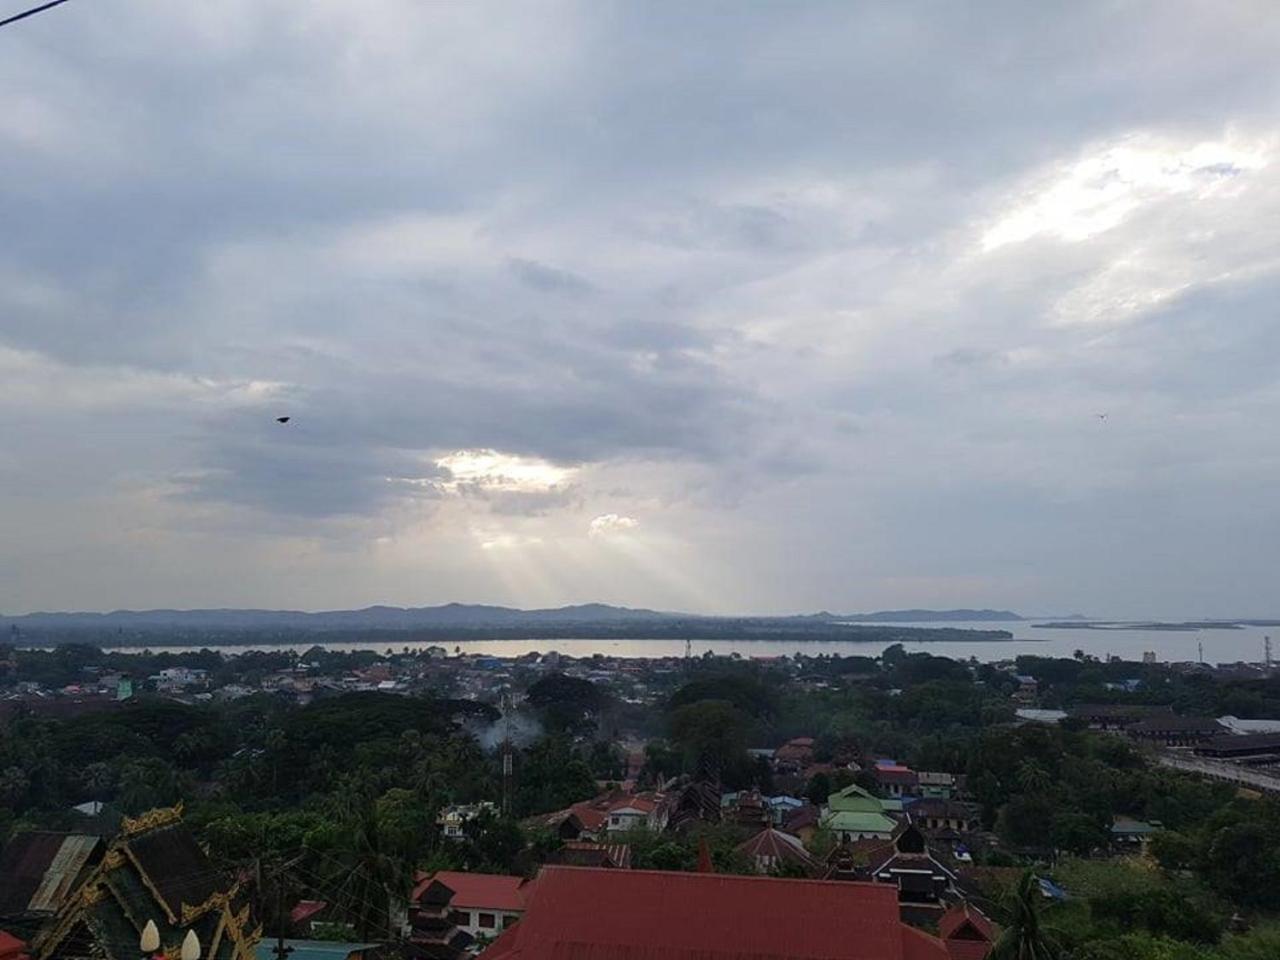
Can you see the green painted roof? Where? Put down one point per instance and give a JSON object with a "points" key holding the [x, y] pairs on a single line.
{"points": [[312, 949], [854, 799], [858, 822]]}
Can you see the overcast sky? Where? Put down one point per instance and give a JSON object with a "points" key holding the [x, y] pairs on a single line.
{"points": [[707, 306]]}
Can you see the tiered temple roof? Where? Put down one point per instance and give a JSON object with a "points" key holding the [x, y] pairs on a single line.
{"points": [[153, 871]]}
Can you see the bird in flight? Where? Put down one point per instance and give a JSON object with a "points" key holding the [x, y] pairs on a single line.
{"points": [[1101, 416], [282, 419]]}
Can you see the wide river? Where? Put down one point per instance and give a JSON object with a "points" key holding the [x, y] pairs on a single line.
{"points": [[1220, 645]]}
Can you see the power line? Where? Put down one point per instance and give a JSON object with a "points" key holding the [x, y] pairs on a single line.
{"points": [[30, 13]]}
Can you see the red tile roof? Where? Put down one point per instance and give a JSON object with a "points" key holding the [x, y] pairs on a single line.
{"points": [[478, 891], [581, 914], [967, 932]]}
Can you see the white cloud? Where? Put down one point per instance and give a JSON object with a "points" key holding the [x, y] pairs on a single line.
{"points": [[1107, 184], [608, 524], [490, 470]]}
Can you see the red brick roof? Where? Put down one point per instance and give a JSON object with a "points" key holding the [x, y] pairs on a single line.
{"points": [[478, 891], [581, 914]]}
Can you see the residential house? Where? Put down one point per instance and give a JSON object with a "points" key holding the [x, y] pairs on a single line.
{"points": [[782, 806], [452, 820], [620, 914], [854, 814], [936, 814], [1130, 835], [176, 679], [483, 904], [896, 780], [746, 808], [794, 755], [772, 850], [803, 822], [936, 784], [637, 813], [433, 931], [584, 853]]}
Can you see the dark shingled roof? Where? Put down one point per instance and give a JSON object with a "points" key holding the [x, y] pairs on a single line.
{"points": [[1175, 723], [175, 864]]}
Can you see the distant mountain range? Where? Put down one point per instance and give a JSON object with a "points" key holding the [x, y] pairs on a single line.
{"points": [[460, 615]]}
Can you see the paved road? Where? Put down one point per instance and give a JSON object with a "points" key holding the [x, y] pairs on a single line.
{"points": [[1230, 772]]}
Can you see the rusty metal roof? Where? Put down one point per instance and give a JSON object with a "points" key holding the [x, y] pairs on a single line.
{"points": [[39, 869]]}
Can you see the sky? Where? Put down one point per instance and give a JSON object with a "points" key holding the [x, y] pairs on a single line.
{"points": [[719, 307]]}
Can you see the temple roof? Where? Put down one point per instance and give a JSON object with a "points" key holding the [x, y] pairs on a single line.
{"points": [[153, 871]]}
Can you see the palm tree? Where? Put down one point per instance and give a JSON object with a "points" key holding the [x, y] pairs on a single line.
{"points": [[1033, 777], [372, 876], [1025, 935]]}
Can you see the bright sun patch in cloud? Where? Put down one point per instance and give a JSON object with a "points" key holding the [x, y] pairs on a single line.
{"points": [[1099, 191], [611, 523], [490, 470]]}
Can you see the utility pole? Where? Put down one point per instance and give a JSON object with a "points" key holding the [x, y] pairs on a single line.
{"points": [[1266, 652], [688, 648], [1201, 646], [281, 950]]}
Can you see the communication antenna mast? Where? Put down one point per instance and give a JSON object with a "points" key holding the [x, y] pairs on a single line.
{"points": [[507, 706], [1266, 651], [1201, 646], [688, 647]]}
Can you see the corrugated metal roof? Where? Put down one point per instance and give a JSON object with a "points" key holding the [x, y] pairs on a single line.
{"points": [[72, 857], [313, 949], [26, 862], [578, 914]]}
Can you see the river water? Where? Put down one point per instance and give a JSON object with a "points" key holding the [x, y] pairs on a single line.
{"points": [[1220, 645]]}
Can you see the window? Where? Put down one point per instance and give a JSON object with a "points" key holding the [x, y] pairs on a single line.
{"points": [[486, 921]]}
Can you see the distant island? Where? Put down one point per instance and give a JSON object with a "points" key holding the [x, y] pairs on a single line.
{"points": [[1184, 626], [933, 616], [456, 622]]}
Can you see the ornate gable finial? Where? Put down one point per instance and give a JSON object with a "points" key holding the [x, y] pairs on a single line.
{"points": [[159, 817]]}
